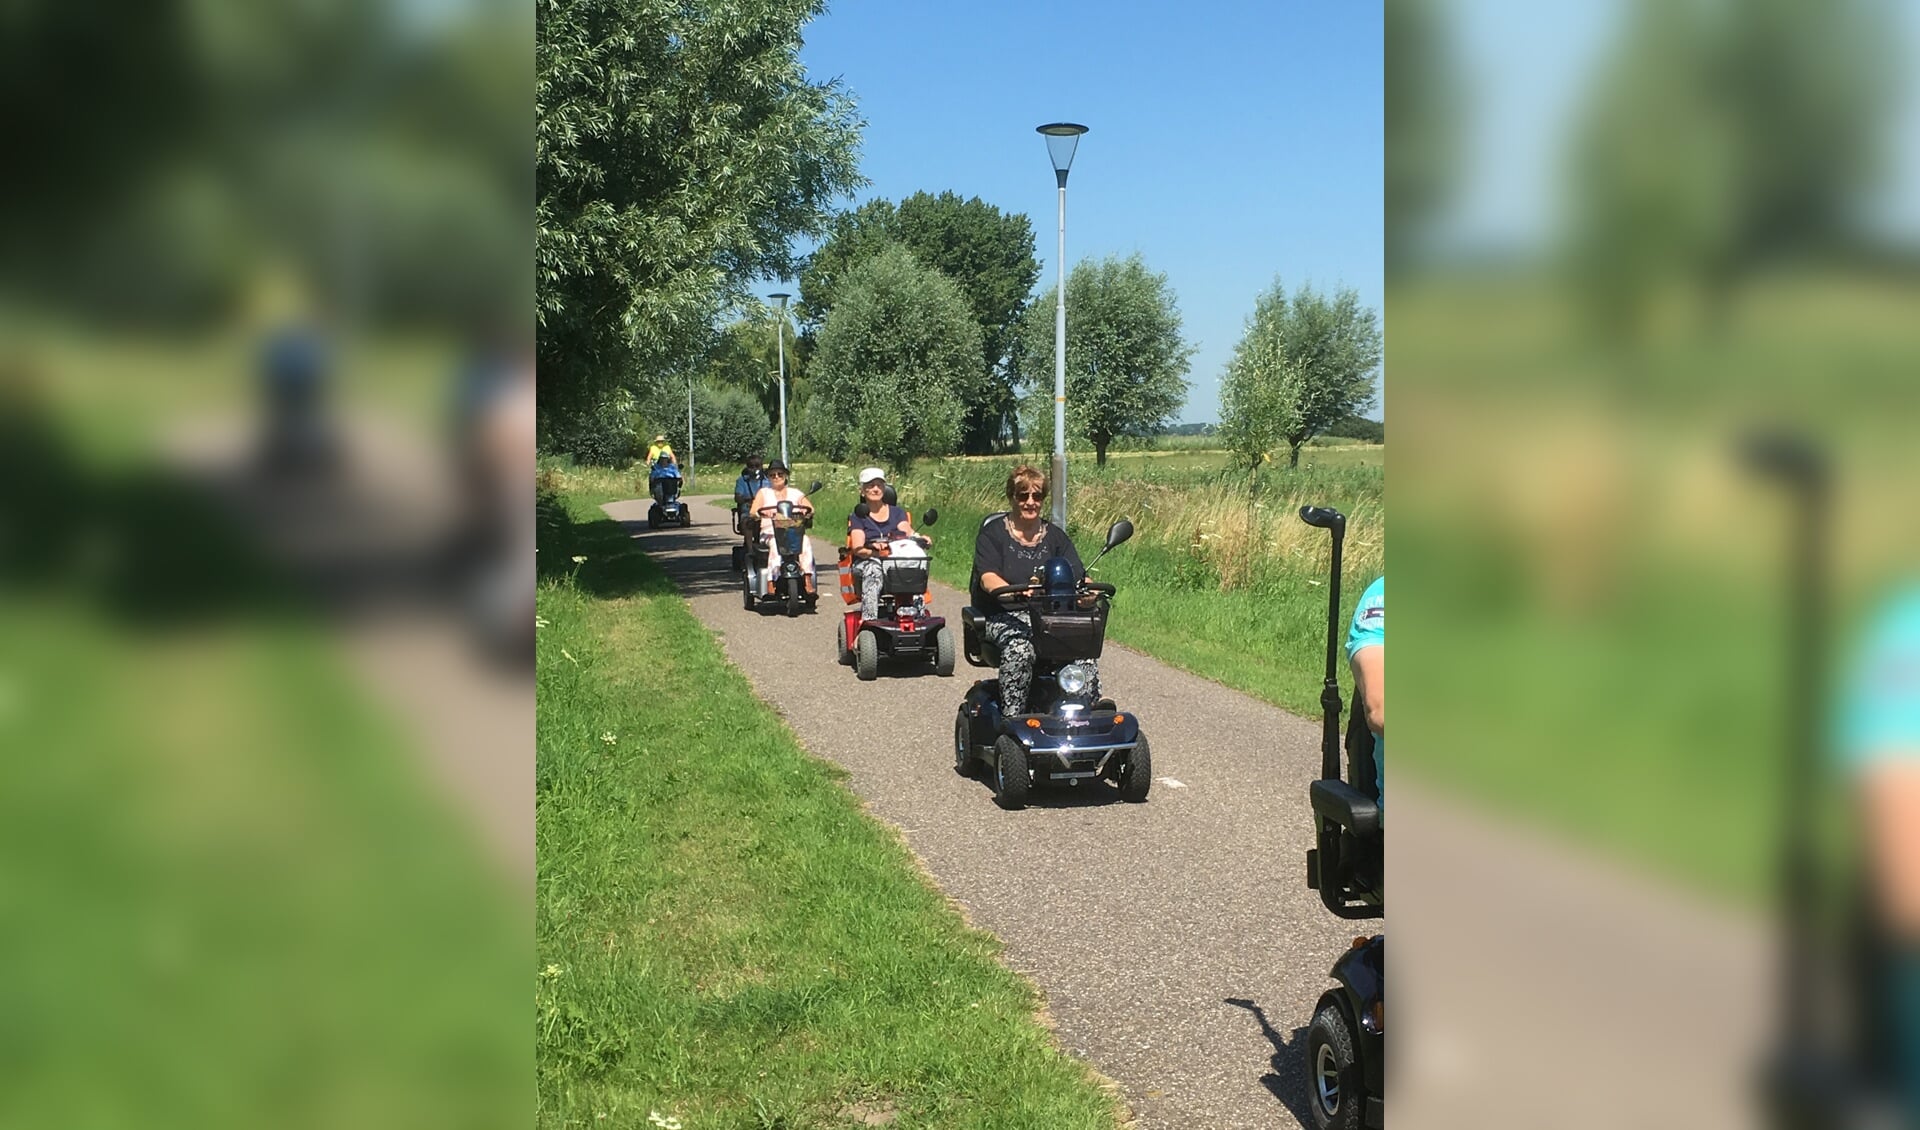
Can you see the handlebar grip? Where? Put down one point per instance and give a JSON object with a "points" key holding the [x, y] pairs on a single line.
{"points": [[1098, 586]]}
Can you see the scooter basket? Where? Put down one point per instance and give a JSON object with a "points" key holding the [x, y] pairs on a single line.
{"points": [[1074, 633], [904, 577]]}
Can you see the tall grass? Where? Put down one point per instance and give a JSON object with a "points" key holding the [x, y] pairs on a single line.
{"points": [[1220, 530], [1221, 577]]}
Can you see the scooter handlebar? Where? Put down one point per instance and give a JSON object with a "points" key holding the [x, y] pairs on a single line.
{"points": [[1013, 594]]}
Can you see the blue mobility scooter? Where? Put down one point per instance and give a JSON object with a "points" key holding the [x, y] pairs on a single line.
{"points": [[1346, 1069], [663, 482], [1066, 735]]}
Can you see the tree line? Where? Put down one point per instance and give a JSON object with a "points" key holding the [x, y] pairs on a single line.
{"points": [[680, 156]]}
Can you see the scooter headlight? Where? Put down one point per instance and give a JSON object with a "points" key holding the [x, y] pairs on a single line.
{"points": [[1075, 678]]}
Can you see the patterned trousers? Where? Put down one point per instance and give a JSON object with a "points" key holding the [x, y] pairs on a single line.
{"points": [[1013, 635], [869, 572]]}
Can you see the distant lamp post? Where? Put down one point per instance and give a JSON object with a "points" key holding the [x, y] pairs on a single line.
{"points": [[1062, 139], [689, 435], [780, 336]]}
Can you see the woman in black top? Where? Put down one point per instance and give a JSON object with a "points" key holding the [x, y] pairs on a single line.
{"points": [[1011, 551]]}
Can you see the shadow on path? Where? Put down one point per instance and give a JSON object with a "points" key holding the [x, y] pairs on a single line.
{"points": [[1287, 1081]]}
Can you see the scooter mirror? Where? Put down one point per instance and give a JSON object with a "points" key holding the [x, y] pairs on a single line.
{"points": [[1324, 517], [1118, 532], [815, 487], [930, 518]]}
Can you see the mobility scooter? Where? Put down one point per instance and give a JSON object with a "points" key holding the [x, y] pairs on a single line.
{"points": [[788, 582], [663, 482], [1346, 1069], [1830, 1067], [1066, 735], [904, 630]]}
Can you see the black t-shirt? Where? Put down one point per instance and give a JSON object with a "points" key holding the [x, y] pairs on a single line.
{"points": [[995, 551]]}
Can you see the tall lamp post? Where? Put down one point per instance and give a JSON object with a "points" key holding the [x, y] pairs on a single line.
{"points": [[780, 335], [1062, 139], [689, 435]]}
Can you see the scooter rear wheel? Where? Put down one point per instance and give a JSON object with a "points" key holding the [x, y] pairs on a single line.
{"points": [[943, 652], [866, 657], [962, 743]]}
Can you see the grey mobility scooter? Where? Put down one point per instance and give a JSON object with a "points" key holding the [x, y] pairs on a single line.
{"points": [[1346, 1071], [1066, 736], [788, 584]]}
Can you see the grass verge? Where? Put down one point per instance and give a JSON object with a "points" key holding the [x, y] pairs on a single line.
{"points": [[724, 937], [236, 900]]}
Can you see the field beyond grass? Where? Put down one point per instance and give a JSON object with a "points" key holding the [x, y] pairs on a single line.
{"points": [[725, 939], [1221, 577]]}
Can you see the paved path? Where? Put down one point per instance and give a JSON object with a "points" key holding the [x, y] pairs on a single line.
{"points": [[1179, 950], [364, 542], [1178, 947]]}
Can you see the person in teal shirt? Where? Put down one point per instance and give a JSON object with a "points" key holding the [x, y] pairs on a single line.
{"points": [[1367, 655], [1878, 735]]}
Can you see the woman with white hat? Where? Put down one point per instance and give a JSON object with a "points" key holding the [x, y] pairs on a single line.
{"points": [[872, 522]]}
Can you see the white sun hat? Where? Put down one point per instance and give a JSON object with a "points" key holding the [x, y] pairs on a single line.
{"points": [[872, 473]]}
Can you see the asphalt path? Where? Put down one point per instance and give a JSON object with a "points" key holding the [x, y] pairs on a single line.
{"points": [[1177, 946]]}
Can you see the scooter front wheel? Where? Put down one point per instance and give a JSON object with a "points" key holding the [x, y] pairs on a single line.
{"points": [[1136, 773], [1011, 779], [1334, 1090]]}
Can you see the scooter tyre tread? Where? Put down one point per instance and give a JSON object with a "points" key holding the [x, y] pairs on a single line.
{"points": [[1331, 1027], [1011, 780], [1136, 779]]}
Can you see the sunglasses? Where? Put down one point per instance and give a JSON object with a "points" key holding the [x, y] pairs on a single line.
{"points": [[1029, 495]]}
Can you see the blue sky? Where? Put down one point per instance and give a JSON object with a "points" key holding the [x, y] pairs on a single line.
{"points": [[1230, 143], [1525, 67]]}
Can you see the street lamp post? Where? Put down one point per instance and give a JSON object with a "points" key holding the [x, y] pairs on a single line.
{"points": [[689, 435], [780, 335], [1062, 139]]}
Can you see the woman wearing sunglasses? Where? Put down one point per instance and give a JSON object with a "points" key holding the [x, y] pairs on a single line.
{"points": [[1011, 550]]}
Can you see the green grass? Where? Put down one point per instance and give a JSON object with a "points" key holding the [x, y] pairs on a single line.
{"points": [[1593, 632], [236, 899], [724, 937]]}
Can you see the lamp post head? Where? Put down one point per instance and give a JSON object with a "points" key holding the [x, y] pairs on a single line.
{"points": [[781, 296], [1062, 139]]}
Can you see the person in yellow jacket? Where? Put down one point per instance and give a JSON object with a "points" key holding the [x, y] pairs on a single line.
{"points": [[660, 447]]}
